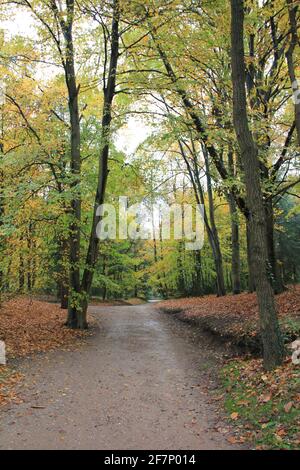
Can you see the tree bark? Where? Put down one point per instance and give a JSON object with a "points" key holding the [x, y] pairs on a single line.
{"points": [[251, 279], [235, 247], [75, 319], [192, 111], [197, 289], [274, 269], [221, 291], [235, 239], [212, 234], [21, 270], [271, 338], [109, 93], [63, 274]]}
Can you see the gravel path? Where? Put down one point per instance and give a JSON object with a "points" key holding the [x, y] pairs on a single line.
{"points": [[141, 382]]}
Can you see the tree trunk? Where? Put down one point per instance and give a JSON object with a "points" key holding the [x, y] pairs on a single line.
{"points": [[104, 290], [64, 272], [21, 271], [271, 338], [218, 254], [198, 277], [29, 240], [235, 240], [251, 279], [235, 247], [274, 269], [74, 318], [212, 235], [109, 93]]}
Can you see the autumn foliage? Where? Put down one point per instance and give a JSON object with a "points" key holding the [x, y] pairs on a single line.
{"points": [[264, 406], [29, 326], [235, 318]]}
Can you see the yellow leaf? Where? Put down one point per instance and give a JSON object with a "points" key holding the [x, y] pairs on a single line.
{"points": [[234, 415]]}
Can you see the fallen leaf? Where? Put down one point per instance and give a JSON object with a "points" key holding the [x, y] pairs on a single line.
{"points": [[232, 439], [265, 398], [288, 406]]}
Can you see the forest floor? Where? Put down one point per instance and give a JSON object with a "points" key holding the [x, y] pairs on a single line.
{"points": [[140, 381], [234, 318], [265, 407], [134, 355]]}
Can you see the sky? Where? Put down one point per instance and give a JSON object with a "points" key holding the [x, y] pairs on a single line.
{"points": [[126, 139]]}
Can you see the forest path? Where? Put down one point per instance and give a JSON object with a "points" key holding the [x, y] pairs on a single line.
{"points": [[140, 383]]}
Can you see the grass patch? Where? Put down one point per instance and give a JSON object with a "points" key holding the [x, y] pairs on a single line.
{"points": [[264, 406]]}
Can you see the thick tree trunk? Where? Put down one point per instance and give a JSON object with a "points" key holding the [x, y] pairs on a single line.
{"points": [[75, 319], [270, 332], [109, 93]]}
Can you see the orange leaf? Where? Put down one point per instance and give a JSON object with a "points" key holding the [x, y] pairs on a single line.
{"points": [[288, 406]]}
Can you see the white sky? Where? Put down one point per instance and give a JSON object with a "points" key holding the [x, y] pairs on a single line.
{"points": [[21, 23], [130, 136]]}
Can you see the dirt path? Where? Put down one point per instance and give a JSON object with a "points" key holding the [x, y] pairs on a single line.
{"points": [[139, 383]]}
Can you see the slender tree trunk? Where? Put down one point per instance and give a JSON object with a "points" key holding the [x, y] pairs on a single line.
{"points": [[251, 278], [271, 338], [109, 93], [104, 292], [235, 247], [213, 240], [21, 271], [29, 256], [199, 126], [64, 272], [235, 239], [161, 256], [155, 252], [198, 278], [218, 254], [274, 268]]}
